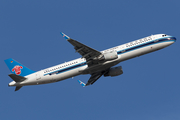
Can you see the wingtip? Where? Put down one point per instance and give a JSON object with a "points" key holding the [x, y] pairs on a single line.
{"points": [[81, 83], [64, 35]]}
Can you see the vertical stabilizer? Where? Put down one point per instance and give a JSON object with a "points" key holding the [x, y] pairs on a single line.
{"points": [[17, 68]]}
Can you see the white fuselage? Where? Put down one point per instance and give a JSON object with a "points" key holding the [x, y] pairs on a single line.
{"points": [[79, 66]]}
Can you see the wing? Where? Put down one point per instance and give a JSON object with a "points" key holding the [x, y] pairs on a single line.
{"points": [[87, 52], [94, 77]]}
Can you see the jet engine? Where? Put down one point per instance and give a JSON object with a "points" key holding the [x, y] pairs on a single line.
{"points": [[114, 71], [108, 56]]}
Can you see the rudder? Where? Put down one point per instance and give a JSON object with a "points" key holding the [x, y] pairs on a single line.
{"points": [[17, 68]]}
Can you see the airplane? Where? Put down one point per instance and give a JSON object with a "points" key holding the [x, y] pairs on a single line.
{"points": [[93, 62]]}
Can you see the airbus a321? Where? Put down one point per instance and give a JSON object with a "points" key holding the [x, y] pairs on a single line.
{"points": [[93, 62]]}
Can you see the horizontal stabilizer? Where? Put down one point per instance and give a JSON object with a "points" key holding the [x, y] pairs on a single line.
{"points": [[18, 87], [81, 83], [17, 78]]}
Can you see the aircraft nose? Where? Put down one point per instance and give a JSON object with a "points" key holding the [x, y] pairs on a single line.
{"points": [[172, 39]]}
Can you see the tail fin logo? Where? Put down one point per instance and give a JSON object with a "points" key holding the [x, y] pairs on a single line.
{"points": [[17, 69]]}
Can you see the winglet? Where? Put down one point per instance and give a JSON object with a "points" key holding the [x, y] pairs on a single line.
{"points": [[64, 36], [81, 83]]}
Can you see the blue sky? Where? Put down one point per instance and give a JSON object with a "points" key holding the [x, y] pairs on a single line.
{"points": [[148, 89]]}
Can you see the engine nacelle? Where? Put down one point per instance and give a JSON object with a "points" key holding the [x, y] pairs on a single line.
{"points": [[109, 56], [114, 71]]}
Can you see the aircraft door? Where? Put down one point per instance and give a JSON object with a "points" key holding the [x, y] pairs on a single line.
{"points": [[38, 77]]}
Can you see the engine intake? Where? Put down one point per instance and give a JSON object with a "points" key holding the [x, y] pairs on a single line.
{"points": [[114, 71]]}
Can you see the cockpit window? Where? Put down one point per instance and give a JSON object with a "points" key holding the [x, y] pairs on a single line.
{"points": [[163, 35]]}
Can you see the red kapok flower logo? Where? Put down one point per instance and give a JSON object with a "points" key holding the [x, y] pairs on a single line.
{"points": [[17, 69]]}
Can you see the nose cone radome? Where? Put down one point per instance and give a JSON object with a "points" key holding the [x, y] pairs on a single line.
{"points": [[173, 39]]}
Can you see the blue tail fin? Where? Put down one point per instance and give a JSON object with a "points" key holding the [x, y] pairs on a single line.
{"points": [[17, 68]]}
